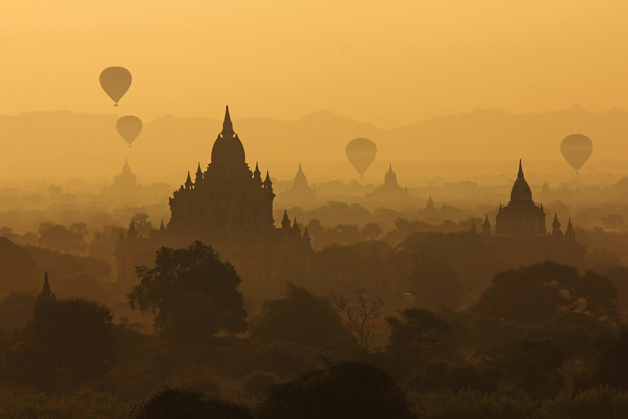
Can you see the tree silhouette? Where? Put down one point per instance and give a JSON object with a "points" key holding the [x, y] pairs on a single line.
{"points": [[345, 390], [541, 292], [360, 315], [300, 317], [67, 343], [189, 404], [65, 239], [191, 292], [421, 337]]}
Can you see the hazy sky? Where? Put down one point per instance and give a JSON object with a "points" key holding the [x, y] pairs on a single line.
{"points": [[387, 62]]}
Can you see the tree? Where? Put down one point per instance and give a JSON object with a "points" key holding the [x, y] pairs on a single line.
{"points": [[531, 365], [16, 309], [104, 242], [420, 338], [191, 292], [64, 239], [613, 222], [610, 368], [371, 231], [189, 404], [347, 233], [67, 344], [300, 317], [360, 316], [433, 282], [344, 390], [541, 292], [16, 267], [142, 224]]}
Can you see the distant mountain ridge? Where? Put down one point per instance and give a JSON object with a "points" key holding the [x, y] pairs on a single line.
{"points": [[53, 143]]}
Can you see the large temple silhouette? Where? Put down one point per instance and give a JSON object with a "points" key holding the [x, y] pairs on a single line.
{"points": [[522, 217], [229, 207]]}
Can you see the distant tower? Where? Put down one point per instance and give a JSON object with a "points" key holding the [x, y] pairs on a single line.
{"points": [[556, 231], [46, 295], [486, 227], [300, 181], [390, 179], [570, 234], [430, 207], [546, 189]]}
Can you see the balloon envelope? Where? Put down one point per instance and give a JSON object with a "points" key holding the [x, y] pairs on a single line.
{"points": [[129, 127], [576, 149], [361, 152], [115, 81]]}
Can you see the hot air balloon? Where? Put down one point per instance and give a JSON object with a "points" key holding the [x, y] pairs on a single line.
{"points": [[115, 81], [129, 127], [576, 149], [361, 152]]}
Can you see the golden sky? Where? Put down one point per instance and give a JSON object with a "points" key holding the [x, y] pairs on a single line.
{"points": [[387, 62]]}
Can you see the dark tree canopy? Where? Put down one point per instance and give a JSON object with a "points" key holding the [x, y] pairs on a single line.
{"points": [[191, 292], [189, 404], [434, 283], [541, 292], [420, 337], [301, 317], [16, 267], [66, 344], [342, 391], [532, 365], [610, 368]]}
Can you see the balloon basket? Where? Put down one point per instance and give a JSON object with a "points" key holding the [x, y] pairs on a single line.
{"points": [[115, 104]]}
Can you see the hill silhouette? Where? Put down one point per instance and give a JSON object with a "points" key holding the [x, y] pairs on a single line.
{"points": [[59, 142]]}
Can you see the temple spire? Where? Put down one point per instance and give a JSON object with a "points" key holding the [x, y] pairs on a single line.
{"points": [[520, 174], [570, 234], [486, 227], [227, 125], [285, 222], [188, 182], [46, 295]]}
